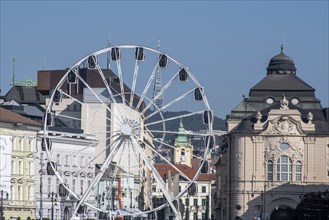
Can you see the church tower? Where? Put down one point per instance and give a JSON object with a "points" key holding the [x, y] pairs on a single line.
{"points": [[183, 148]]}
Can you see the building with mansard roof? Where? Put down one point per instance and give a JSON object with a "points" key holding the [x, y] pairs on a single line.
{"points": [[276, 149]]}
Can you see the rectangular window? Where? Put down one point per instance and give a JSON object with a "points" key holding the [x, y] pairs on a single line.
{"points": [[82, 161], [73, 185], [49, 185], [204, 216], [30, 168], [20, 167], [29, 191], [66, 160], [89, 159], [270, 170], [187, 202], [19, 193], [12, 192], [195, 202], [58, 159], [13, 167], [179, 188], [195, 216], [21, 144], [81, 187], [298, 171], [203, 189], [203, 202]]}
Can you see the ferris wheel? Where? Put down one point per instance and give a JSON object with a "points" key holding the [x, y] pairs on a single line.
{"points": [[130, 104]]}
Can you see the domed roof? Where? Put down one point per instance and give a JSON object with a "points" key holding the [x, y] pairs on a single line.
{"points": [[181, 138], [281, 64]]}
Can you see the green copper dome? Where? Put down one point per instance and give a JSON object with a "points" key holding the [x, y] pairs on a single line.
{"points": [[181, 138]]}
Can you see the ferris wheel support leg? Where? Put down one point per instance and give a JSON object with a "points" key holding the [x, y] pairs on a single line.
{"points": [[98, 177], [159, 181]]}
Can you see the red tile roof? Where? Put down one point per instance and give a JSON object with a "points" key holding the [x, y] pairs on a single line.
{"points": [[12, 117], [163, 168]]}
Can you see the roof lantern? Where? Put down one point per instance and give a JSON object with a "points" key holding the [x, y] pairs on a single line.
{"points": [[281, 64]]}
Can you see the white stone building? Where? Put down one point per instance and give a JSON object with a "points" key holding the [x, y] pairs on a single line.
{"points": [[72, 154], [276, 149]]}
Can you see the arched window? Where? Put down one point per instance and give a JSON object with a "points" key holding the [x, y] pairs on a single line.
{"points": [[298, 171], [284, 167], [270, 170]]}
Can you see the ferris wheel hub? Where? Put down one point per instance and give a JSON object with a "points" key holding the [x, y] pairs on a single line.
{"points": [[126, 130]]}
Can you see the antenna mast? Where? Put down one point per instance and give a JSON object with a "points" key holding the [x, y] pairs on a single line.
{"points": [[108, 65], [13, 84], [158, 86]]}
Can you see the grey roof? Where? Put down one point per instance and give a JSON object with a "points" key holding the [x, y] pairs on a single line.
{"points": [[320, 120], [25, 94], [281, 64], [281, 80]]}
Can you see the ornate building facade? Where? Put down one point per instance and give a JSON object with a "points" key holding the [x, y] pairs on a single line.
{"points": [[276, 149], [17, 177]]}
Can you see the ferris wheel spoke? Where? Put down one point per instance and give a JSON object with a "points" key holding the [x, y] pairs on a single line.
{"points": [[133, 85], [105, 82], [99, 175], [168, 162], [170, 103], [59, 115], [115, 170], [160, 93], [97, 97], [83, 104], [121, 81], [96, 156], [174, 118], [159, 180], [147, 86]]}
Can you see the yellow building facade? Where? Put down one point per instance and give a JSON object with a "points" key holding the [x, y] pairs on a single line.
{"points": [[18, 138]]}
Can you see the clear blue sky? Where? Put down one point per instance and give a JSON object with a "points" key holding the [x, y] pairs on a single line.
{"points": [[226, 44]]}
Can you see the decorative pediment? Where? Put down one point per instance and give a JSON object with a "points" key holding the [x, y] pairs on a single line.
{"points": [[283, 126], [284, 122], [75, 174], [293, 147], [83, 174], [67, 173], [90, 175]]}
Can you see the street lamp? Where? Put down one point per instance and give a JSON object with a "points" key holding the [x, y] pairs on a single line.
{"points": [[53, 198], [1, 204]]}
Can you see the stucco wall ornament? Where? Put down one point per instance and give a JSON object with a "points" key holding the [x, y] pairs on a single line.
{"points": [[284, 126], [257, 139], [294, 148], [284, 103], [309, 117]]}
